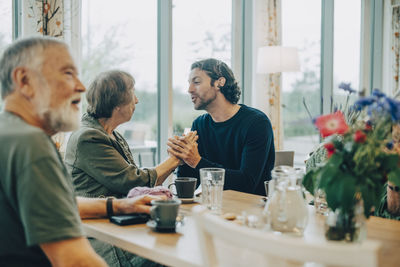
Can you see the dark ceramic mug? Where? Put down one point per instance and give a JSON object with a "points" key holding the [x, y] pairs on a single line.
{"points": [[185, 187], [164, 212]]}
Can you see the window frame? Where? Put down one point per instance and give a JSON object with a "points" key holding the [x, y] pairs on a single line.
{"points": [[244, 54]]}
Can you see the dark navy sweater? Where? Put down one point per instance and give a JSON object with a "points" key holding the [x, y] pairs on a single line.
{"points": [[242, 145]]}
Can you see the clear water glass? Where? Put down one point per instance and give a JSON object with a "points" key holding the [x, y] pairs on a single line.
{"points": [[212, 185], [320, 204]]}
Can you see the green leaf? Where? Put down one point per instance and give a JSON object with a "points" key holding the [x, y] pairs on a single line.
{"points": [[390, 161], [309, 181], [394, 176], [335, 160], [326, 175], [368, 199], [331, 191], [329, 171], [346, 191]]}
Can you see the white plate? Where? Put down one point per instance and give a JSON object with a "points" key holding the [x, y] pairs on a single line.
{"points": [[153, 226], [186, 200]]}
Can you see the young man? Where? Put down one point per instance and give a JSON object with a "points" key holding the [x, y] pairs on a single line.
{"points": [[235, 137], [40, 221]]}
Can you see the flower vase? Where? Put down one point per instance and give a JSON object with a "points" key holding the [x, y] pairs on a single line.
{"points": [[348, 226]]}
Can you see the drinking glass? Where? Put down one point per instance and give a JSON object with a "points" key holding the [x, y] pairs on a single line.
{"points": [[320, 204], [212, 185]]}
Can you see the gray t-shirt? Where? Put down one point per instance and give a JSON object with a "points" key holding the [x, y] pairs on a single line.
{"points": [[37, 201]]}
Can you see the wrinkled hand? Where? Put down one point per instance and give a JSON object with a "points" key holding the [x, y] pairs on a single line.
{"points": [[185, 148], [140, 204], [190, 137]]}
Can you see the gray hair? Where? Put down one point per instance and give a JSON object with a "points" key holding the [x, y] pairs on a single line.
{"points": [[25, 52], [109, 90]]}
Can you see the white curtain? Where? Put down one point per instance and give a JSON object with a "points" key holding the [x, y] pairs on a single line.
{"points": [[267, 96]]}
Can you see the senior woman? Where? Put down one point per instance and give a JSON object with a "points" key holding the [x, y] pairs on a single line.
{"points": [[99, 158]]}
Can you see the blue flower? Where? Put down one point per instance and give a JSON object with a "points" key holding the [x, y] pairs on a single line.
{"points": [[347, 87], [314, 120], [377, 93], [363, 102], [393, 108], [389, 145]]}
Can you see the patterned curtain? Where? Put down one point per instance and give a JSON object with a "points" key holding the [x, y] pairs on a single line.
{"points": [[273, 37], [395, 38], [45, 17]]}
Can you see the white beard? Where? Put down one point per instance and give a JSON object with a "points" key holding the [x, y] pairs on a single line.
{"points": [[63, 119]]}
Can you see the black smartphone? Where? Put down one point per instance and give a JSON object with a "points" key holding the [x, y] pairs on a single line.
{"points": [[137, 218]]}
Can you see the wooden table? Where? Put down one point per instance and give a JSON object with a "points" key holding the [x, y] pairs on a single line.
{"points": [[182, 248]]}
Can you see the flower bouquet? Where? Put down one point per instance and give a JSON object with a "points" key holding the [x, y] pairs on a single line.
{"points": [[350, 114], [359, 162]]}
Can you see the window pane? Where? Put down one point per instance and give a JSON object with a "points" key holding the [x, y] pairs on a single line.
{"points": [[301, 28], [5, 28], [201, 29], [346, 56], [122, 34]]}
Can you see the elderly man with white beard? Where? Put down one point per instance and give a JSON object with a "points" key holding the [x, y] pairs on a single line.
{"points": [[40, 216]]}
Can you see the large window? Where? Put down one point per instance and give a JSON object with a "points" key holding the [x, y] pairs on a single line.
{"points": [[301, 28], [5, 27], [346, 54], [201, 29], [123, 35]]}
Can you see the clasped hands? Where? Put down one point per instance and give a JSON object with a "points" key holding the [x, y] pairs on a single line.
{"points": [[185, 148]]}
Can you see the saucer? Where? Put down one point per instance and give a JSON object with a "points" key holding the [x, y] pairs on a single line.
{"points": [[153, 226], [186, 200]]}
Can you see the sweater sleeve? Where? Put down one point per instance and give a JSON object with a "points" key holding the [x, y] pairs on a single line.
{"points": [[257, 147], [100, 160]]}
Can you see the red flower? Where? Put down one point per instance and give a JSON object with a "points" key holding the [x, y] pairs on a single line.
{"points": [[330, 148], [331, 124], [359, 136], [368, 126]]}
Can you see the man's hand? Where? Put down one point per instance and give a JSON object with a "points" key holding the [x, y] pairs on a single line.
{"points": [[185, 148], [140, 204], [190, 137]]}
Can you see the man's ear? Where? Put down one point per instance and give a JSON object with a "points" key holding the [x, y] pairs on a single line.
{"points": [[22, 81], [221, 81]]}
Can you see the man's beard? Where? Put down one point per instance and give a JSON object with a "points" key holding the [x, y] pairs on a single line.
{"points": [[63, 119], [203, 104]]}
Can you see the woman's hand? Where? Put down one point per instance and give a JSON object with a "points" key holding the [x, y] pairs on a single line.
{"points": [[185, 148]]}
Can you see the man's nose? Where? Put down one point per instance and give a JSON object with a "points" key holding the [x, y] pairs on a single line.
{"points": [[79, 86], [191, 88]]}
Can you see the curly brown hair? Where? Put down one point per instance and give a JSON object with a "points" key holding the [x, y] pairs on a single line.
{"points": [[216, 69]]}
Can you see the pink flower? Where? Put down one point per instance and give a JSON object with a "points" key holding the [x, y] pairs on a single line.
{"points": [[330, 148], [359, 136], [331, 124]]}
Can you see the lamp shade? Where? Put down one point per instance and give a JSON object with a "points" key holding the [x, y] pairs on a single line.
{"points": [[272, 59]]}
